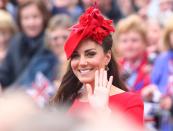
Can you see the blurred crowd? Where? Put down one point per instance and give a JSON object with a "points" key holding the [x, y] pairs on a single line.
{"points": [[32, 58]]}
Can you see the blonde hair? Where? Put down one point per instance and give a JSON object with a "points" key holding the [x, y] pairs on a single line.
{"points": [[132, 22], [7, 23], [61, 21], [168, 29]]}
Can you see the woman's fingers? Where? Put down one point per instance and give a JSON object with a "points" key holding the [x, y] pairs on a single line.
{"points": [[100, 97], [101, 78], [110, 82]]}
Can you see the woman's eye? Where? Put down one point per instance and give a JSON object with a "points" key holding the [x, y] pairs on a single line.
{"points": [[74, 56], [90, 54]]}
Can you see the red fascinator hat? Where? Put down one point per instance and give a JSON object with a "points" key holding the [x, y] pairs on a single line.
{"points": [[91, 25]]}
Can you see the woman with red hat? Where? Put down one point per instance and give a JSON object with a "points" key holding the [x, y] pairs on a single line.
{"points": [[92, 79]]}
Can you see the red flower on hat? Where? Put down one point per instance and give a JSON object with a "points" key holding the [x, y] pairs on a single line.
{"points": [[91, 25]]}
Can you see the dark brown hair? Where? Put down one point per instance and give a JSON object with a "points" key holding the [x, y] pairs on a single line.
{"points": [[40, 5], [70, 85]]}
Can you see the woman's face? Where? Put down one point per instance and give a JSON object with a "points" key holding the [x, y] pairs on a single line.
{"points": [[131, 45], [31, 21], [153, 32], [153, 36], [57, 39], [5, 36], [88, 58]]}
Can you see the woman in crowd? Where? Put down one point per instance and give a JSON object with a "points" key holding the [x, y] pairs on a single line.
{"points": [[85, 85], [24, 47], [126, 7], [160, 89], [69, 7], [154, 32], [131, 44], [8, 29], [162, 74], [162, 79], [56, 35]]}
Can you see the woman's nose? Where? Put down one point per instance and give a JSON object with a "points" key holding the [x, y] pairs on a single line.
{"points": [[82, 61]]}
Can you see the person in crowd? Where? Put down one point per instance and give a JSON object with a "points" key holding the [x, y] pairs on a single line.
{"points": [[50, 63], [85, 4], [166, 113], [165, 11], [12, 6], [8, 28], [160, 89], [162, 74], [92, 81], [126, 7], [142, 7], [69, 7], [18, 65], [109, 8], [131, 45], [154, 33], [56, 35]]}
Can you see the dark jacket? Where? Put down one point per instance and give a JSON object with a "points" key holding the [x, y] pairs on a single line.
{"points": [[20, 66], [44, 61]]}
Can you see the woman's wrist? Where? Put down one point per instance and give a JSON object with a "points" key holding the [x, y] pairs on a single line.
{"points": [[105, 110]]}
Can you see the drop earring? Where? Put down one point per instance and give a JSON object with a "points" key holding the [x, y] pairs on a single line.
{"points": [[106, 68]]}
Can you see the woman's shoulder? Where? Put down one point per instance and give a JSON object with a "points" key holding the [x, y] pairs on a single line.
{"points": [[127, 95], [126, 98]]}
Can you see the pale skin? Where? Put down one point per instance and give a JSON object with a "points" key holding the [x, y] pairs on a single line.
{"points": [[32, 23], [100, 96], [88, 64]]}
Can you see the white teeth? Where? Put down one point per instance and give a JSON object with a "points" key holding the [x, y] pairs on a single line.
{"points": [[84, 71]]}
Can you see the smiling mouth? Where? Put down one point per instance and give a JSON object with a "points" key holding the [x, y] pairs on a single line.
{"points": [[85, 71]]}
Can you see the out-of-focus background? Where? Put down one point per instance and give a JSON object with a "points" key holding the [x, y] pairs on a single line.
{"points": [[32, 59]]}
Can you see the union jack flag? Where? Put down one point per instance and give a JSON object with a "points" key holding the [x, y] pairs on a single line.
{"points": [[42, 90]]}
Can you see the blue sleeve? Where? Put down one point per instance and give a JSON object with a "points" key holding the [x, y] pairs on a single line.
{"points": [[47, 64], [157, 70], [7, 67]]}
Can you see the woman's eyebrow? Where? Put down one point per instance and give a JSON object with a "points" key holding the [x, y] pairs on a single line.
{"points": [[88, 50]]}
